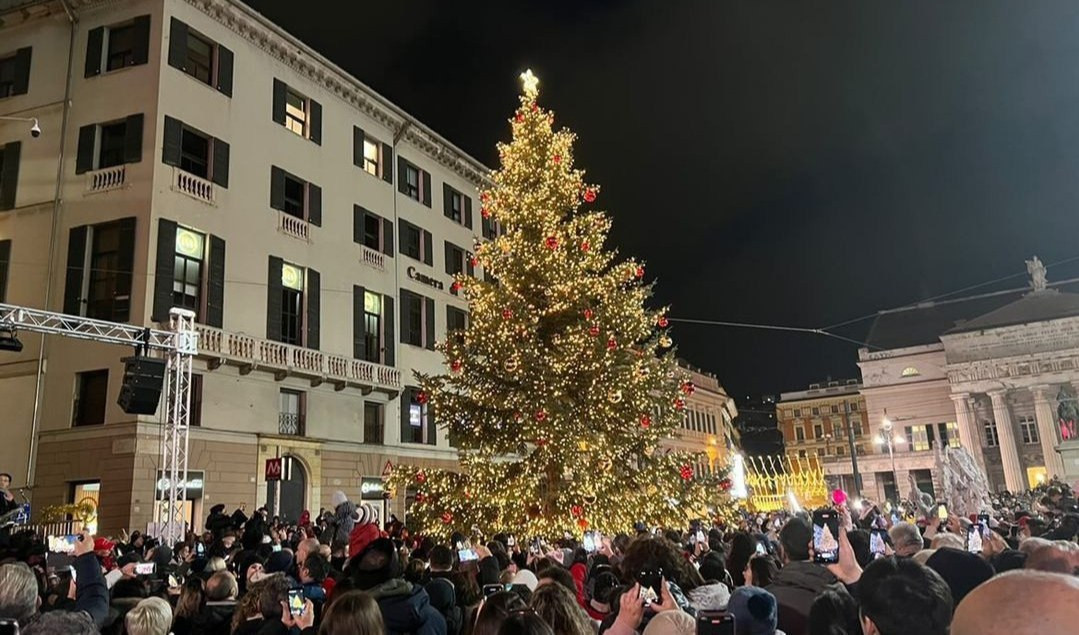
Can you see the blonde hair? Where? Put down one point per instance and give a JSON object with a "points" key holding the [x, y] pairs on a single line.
{"points": [[216, 564], [947, 540], [151, 616]]}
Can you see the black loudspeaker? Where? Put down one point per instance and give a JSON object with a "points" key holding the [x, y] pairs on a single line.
{"points": [[143, 379]]}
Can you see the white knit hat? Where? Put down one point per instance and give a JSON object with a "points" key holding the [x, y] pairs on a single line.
{"points": [[339, 498]]}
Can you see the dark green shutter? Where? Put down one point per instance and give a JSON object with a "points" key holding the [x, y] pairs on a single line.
{"points": [[141, 53], [273, 300], [133, 138], [358, 215], [279, 89], [429, 323], [425, 183], [21, 83], [432, 427], [314, 204], [170, 148], [357, 146], [5, 257], [84, 154], [387, 237], [224, 70], [359, 335], [406, 306], [76, 255], [387, 163], [220, 175], [468, 211], [126, 268], [388, 343], [94, 40], [401, 163], [316, 121], [447, 201], [9, 176], [314, 302], [485, 224], [406, 403], [449, 257], [402, 236], [178, 44], [470, 269], [165, 270], [277, 188], [428, 249], [215, 284]]}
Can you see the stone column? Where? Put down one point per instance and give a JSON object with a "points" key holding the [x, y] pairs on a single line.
{"points": [[1014, 478], [1047, 429], [968, 426]]}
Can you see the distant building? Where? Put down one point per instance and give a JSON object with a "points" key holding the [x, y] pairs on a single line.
{"points": [[819, 422], [708, 427]]}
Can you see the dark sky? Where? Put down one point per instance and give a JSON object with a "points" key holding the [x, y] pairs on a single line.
{"points": [[796, 163]]}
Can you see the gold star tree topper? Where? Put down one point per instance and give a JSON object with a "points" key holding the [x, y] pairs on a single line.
{"points": [[530, 83]]}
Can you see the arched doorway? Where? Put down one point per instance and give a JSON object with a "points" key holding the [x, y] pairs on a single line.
{"points": [[293, 492]]}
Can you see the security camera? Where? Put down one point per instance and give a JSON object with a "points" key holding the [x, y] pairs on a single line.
{"points": [[35, 130]]}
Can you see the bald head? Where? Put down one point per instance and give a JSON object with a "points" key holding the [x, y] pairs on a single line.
{"points": [[1055, 557], [1020, 602], [305, 548]]}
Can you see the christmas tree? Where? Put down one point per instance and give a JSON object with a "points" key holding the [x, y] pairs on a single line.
{"points": [[563, 384]]}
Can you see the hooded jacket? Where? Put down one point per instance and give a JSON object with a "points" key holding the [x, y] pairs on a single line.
{"points": [[795, 587], [406, 608], [215, 618], [710, 597], [340, 526]]}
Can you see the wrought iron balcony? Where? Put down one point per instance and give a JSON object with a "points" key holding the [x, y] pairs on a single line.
{"points": [[290, 423], [251, 354]]}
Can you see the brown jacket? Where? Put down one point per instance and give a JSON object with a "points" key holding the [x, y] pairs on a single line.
{"points": [[795, 588]]}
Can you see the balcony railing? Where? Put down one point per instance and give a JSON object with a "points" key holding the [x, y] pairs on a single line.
{"points": [[372, 258], [196, 187], [292, 226], [290, 424], [285, 360], [106, 179]]}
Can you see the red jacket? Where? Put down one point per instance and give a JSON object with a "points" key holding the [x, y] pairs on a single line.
{"points": [[579, 572]]}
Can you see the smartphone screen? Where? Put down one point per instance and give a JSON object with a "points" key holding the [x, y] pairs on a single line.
{"points": [[276, 547], [825, 536], [491, 589], [877, 542], [974, 538], [200, 549], [145, 568], [511, 541], [464, 555], [761, 549], [651, 581], [295, 602], [589, 541], [715, 623]]}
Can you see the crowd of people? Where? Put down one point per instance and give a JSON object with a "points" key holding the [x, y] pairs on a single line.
{"points": [[343, 572]]}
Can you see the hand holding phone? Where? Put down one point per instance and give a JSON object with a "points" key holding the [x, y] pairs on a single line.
{"points": [[145, 568], [825, 536], [296, 602]]}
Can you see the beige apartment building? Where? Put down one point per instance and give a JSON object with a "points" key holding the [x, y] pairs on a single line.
{"points": [[209, 160], [708, 426]]}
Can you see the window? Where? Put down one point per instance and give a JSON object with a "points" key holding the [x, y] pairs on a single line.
{"points": [[196, 401], [372, 232], [371, 156], [91, 390], [417, 320], [412, 181], [195, 152], [373, 426], [799, 433], [854, 406], [456, 206], [109, 144], [856, 424], [816, 411], [109, 291], [414, 310], [835, 410], [458, 260], [200, 57], [372, 326], [112, 145], [918, 438], [802, 454], [292, 286], [840, 450], [417, 420], [797, 412], [948, 433], [118, 46], [295, 112], [491, 228], [5, 264], [15, 73], [295, 196], [990, 428], [1028, 427], [188, 268], [818, 431], [456, 319], [909, 371], [416, 243], [290, 416]]}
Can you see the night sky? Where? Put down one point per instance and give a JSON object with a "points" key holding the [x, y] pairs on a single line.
{"points": [[795, 163]]}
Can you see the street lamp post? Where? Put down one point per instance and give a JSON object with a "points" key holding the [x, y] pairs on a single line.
{"points": [[886, 438]]}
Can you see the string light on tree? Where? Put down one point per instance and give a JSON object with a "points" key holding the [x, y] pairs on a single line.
{"points": [[520, 394]]}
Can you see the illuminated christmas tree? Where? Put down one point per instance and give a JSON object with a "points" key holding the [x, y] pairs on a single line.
{"points": [[563, 384]]}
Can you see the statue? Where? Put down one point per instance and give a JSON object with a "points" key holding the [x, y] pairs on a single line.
{"points": [[1037, 274], [1067, 412], [964, 484]]}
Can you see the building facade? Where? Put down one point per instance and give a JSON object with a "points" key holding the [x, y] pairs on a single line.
{"points": [[708, 427], [209, 160], [822, 422]]}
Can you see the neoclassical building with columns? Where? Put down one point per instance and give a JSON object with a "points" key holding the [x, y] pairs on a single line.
{"points": [[995, 373]]}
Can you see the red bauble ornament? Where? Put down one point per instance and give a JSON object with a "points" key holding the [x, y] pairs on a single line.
{"points": [[589, 195], [662, 322], [455, 365], [541, 442], [646, 421], [612, 344], [541, 415], [588, 313], [686, 472], [485, 196], [520, 117], [577, 511], [688, 388], [594, 331], [421, 497], [557, 158], [725, 484], [474, 260], [551, 242], [421, 477], [639, 272], [484, 213], [518, 416], [585, 246], [507, 314], [582, 523], [447, 518], [421, 398], [455, 287], [535, 107], [679, 404]]}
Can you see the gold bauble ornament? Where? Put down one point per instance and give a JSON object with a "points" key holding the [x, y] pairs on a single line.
{"points": [[511, 364], [615, 397], [665, 342]]}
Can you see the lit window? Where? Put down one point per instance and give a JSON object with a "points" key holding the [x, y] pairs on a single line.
{"points": [[370, 156], [372, 317], [910, 371], [187, 273], [296, 112], [292, 277], [292, 304]]}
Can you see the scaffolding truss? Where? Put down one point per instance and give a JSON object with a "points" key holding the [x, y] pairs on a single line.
{"points": [[179, 344]]}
